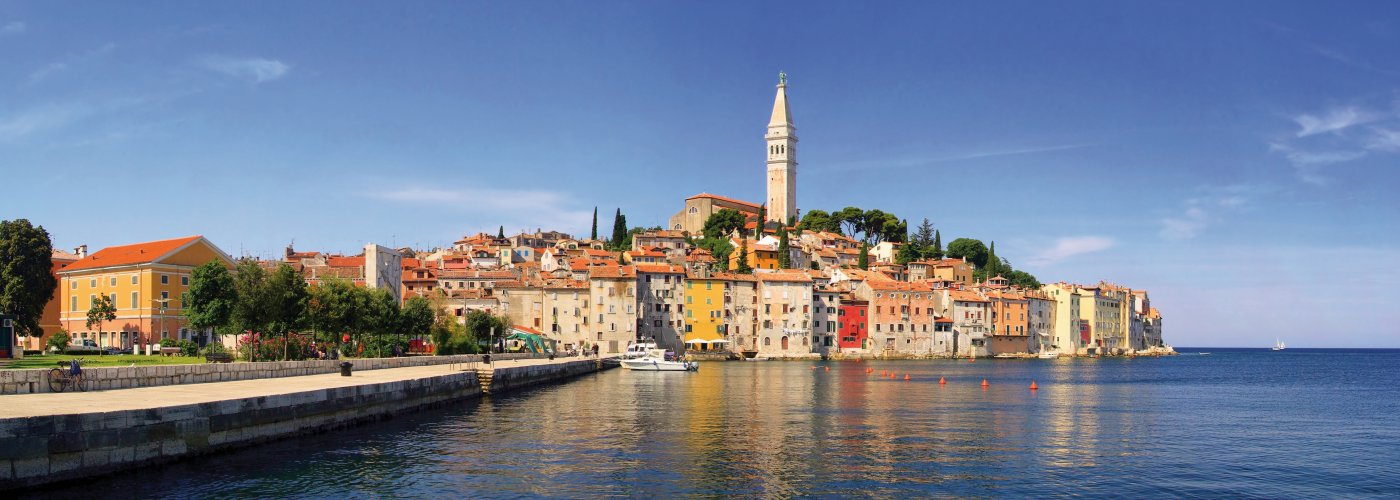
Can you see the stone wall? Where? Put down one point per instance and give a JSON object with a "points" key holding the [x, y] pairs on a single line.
{"points": [[39, 450], [31, 381], [506, 378]]}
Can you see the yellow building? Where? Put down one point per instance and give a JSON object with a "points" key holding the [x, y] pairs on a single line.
{"points": [[704, 312], [761, 255], [145, 282]]}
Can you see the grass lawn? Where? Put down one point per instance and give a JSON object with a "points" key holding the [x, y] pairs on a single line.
{"points": [[93, 360]]}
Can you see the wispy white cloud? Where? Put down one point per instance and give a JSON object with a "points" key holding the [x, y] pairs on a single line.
{"points": [[1384, 139], [40, 118], [515, 207], [1340, 57], [13, 28], [253, 69], [971, 155], [1308, 164], [1068, 247], [63, 64], [1334, 120], [1006, 152], [1207, 207]]}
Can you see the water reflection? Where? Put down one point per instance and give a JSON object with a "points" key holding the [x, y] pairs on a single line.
{"points": [[1095, 427]]}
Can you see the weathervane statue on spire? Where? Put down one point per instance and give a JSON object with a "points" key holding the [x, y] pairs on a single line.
{"points": [[782, 78]]}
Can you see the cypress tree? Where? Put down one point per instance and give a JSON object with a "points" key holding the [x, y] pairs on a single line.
{"points": [[863, 261], [784, 254], [501, 233], [743, 266], [594, 234], [937, 245], [619, 229], [762, 220], [993, 263]]}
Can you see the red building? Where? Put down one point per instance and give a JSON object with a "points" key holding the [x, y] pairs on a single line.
{"points": [[853, 330]]}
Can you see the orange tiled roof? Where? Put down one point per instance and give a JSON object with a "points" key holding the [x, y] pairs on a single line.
{"points": [[612, 272], [898, 286], [966, 296], [789, 277], [659, 268], [722, 198], [136, 253]]}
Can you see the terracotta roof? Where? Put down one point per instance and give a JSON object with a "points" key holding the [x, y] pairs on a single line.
{"points": [[338, 261], [966, 296], [898, 286], [722, 198], [736, 277], [659, 268], [789, 277], [136, 253], [941, 319], [612, 272]]}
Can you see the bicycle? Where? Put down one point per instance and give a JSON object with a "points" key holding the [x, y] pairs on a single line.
{"points": [[61, 378]]}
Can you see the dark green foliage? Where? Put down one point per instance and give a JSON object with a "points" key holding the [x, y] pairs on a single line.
{"points": [[723, 223], [102, 311], [1023, 279], [863, 261], [744, 267], [501, 232], [973, 250], [210, 299], [819, 220], [937, 252], [59, 341], [620, 240], [720, 248], [417, 316], [784, 250], [26, 279], [594, 233]]}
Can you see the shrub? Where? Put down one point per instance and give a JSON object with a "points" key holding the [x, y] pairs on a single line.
{"points": [[59, 341], [169, 343], [215, 347], [188, 348]]}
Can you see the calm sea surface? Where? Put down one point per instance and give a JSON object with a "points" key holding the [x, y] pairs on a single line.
{"points": [[1235, 423]]}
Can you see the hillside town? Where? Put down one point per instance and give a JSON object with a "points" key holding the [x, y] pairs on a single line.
{"points": [[725, 279]]}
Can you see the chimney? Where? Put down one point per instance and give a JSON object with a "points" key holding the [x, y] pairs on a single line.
{"points": [[81, 250]]}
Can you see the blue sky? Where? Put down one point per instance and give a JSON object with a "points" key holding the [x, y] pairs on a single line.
{"points": [[1237, 159]]}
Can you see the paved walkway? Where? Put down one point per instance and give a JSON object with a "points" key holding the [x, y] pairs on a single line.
{"points": [[67, 403]]}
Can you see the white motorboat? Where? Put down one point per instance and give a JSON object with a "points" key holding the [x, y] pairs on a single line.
{"points": [[655, 361], [1278, 345], [639, 350], [1049, 355]]}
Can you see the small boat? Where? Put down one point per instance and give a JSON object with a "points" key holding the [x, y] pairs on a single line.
{"points": [[1049, 355], [638, 350], [655, 361], [1278, 345], [1203, 353]]}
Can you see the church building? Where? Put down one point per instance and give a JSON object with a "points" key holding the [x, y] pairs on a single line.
{"points": [[781, 176]]}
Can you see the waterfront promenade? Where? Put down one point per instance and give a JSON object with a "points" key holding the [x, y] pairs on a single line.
{"points": [[50, 437], [70, 403]]}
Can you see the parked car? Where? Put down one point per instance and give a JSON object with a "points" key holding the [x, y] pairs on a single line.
{"points": [[82, 346]]}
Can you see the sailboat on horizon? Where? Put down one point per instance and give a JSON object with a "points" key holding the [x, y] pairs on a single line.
{"points": [[1278, 345]]}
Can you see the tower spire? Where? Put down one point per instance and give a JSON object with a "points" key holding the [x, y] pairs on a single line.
{"points": [[782, 158]]}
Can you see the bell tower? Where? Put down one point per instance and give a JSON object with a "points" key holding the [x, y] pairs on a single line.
{"points": [[782, 158]]}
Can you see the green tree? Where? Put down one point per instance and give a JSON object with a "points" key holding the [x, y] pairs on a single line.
{"points": [[908, 252], [937, 251], [619, 232], [993, 267], [594, 233], [973, 250], [819, 220], [101, 311], [762, 221], [26, 274], [378, 318], [417, 316], [784, 250], [863, 260], [720, 249], [483, 328], [723, 223], [1023, 279], [923, 237], [743, 266], [851, 220], [501, 232], [250, 286], [286, 304], [59, 341], [331, 309], [211, 297], [797, 228]]}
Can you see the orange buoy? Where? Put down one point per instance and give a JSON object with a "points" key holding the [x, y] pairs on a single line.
{"points": [[941, 381], [827, 368], [984, 382], [1033, 386], [868, 370], [906, 376]]}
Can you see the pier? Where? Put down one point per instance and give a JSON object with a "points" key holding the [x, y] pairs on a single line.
{"points": [[53, 437]]}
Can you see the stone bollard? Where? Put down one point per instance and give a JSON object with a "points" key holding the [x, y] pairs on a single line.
{"points": [[345, 368]]}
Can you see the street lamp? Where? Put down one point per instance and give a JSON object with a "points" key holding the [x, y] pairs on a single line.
{"points": [[162, 303]]}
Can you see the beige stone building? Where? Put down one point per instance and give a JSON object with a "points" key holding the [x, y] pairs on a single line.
{"points": [[661, 299], [700, 207], [785, 315], [614, 314]]}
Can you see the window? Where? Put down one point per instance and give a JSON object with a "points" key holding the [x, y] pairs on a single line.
{"points": [[72, 284], [112, 281], [165, 279], [92, 283], [74, 303], [135, 300]]}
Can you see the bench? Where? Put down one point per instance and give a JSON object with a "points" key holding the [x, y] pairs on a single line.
{"points": [[218, 357], [170, 351]]}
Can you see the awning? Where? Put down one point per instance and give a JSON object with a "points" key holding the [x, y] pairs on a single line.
{"points": [[698, 341]]}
